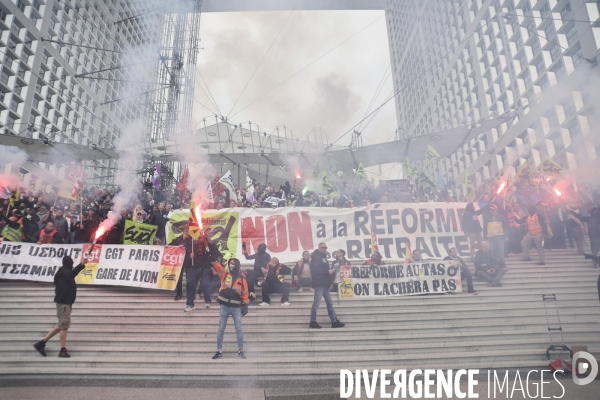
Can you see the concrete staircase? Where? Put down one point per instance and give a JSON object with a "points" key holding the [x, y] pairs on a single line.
{"points": [[134, 333]]}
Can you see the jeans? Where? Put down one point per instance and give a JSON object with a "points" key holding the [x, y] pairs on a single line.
{"points": [[282, 287], [537, 239], [179, 287], [488, 278], [236, 313], [206, 276], [193, 276], [465, 275], [497, 247], [322, 292], [474, 238]]}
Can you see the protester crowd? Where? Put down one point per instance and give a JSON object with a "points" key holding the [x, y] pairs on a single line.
{"points": [[497, 225]]}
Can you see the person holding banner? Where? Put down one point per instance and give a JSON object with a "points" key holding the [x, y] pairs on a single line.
{"points": [[322, 276], [465, 273], [65, 294]]}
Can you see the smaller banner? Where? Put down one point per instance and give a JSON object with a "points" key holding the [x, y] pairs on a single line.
{"points": [[139, 233], [399, 279], [154, 267]]}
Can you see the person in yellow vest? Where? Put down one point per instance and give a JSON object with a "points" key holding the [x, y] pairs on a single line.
{"points": [[495, 226], [536, 226], [13, 228], [275, 282]]}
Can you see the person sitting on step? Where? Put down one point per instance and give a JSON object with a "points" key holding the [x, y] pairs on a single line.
{"points": [[488, 266], [301, 273], [275, 282], [465, 273]]}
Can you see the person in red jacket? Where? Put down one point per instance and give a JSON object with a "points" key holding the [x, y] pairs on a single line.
{"points": [[301, 273], [234, 298]]}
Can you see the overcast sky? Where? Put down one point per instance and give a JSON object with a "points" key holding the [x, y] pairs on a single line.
{"points": [[333, 93]]}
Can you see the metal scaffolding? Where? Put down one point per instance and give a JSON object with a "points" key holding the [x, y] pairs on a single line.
{"points": [[171, 104]]}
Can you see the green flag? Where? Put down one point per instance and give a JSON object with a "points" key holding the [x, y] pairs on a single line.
{"points": [[549, 167], [424, 179], [360, 171], [431, 154], [328, 185], [138, 233], [316, 170], [524, 173], [469, 186], [408, 167]]}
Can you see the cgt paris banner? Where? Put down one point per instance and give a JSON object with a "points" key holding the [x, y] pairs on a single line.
{"points": [[432, 228], [399, 280], [154, 267]]}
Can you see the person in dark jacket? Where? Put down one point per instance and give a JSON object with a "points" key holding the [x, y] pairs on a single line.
{"points": [[494, 232], [159, 219], [321, 281], [30, 224], [593, 224], [487, 266], [301, 273], [65, 293], [465, 273], [61, 225], [261, 259], [185, 241], [275, 282], [472, 227], [203, 256]]}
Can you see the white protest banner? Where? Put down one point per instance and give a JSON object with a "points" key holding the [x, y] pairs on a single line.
{"points": [[432, 228], [432, 276], [155, 267]]}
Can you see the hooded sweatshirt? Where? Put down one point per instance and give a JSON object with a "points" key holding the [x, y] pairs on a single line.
{"points": [[64, 280]]}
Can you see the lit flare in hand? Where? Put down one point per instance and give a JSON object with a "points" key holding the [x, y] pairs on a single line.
{"points": [[501, 188], [558, 193]]}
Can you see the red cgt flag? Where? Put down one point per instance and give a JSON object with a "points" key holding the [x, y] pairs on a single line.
{"points": [[182, 185]]}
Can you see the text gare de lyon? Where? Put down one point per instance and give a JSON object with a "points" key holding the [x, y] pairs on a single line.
{"points": [[439, 228]]}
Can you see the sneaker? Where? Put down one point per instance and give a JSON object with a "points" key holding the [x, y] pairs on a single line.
{"points": [[207, 305], [218, 354], [300, 290], [40, 347], [263, 304], [177, 298], [541, 263], [287, 303], [63, 353], [189, 309], [259, 284], [526, 259], [474, 292], [314, 325], [241, 354], [338, 324]]}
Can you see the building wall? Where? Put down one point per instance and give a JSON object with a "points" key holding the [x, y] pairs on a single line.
{"points": [[455, 62], [41, 97]]}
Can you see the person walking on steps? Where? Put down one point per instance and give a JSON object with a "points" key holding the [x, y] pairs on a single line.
{"points": [[234, 298], [65, 293], [322, 275]]}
